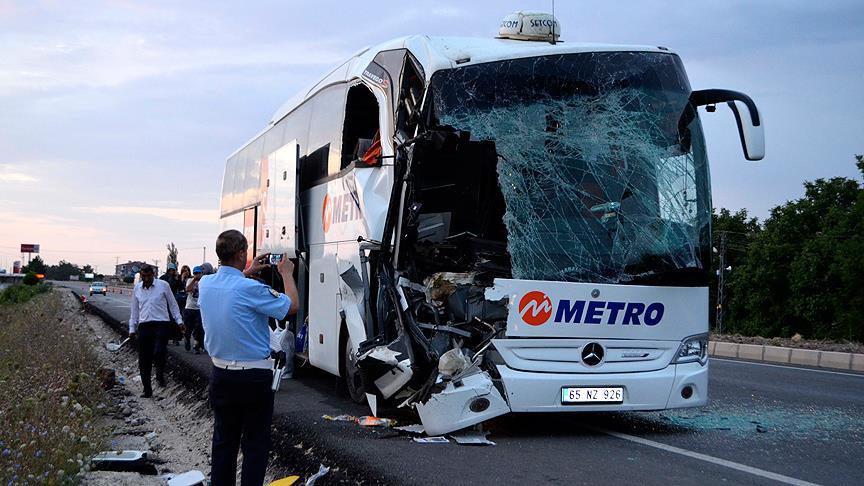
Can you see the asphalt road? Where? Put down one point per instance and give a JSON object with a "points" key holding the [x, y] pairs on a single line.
{"points": [[765, 424]]}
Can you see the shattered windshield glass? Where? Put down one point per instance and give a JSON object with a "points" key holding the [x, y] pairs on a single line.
{"points": [[600, 182]]}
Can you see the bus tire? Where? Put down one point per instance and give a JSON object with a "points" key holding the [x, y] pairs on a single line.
{"points": [[351, 376]]}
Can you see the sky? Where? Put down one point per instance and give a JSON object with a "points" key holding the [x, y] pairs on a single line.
{"points": [[116, 116]]}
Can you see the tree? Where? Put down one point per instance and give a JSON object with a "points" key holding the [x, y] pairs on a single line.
{"points": [[36, 265], [731, 235], [802, 273], [172, 253], [62, 271]]}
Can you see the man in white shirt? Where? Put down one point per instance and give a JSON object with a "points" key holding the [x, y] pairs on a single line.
{"points": [[150, 325]]}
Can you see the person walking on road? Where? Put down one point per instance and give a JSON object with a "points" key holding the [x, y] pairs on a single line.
{"points": [[181, 294], [235, 311], [192, 314], [153, 307], [173, 280]]}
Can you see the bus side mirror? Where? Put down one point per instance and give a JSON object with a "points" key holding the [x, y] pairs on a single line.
{"points": [[750, 128]]}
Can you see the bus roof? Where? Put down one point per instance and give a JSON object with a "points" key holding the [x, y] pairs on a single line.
{"points": [[436, 53]]}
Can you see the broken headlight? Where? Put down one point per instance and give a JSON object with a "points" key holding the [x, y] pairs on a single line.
{"points": [[693, 349]]}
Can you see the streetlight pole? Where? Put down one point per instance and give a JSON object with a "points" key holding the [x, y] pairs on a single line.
{"points": [[721, 281]]}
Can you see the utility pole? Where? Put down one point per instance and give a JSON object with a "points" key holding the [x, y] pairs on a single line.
{"points": [[204, 256], [721, 281]]}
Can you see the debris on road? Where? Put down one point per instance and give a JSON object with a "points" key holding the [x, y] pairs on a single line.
{"points": [[322, 471], [411, 429], [188, 478], [369, 421], [471, 437], [286, 481], [432, 440], [340, 418], [131, 461], [113, 347]]}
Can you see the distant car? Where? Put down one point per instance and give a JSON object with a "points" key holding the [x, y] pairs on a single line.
{"points": [[98, 288]]}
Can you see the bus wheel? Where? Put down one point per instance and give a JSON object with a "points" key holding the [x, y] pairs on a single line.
{"points": [[354, 383]]}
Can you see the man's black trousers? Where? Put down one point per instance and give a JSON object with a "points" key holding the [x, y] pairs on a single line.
{"points": [[242, 404], [152, 340]]}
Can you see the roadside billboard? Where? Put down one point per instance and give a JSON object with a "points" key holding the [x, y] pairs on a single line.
{"points": [[29, 248]]}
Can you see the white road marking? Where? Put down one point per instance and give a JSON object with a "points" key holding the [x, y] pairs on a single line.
{"points": [[704, 457], [785, 367]]}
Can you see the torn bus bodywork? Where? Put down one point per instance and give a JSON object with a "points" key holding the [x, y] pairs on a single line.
{"points": [[534, 189]]}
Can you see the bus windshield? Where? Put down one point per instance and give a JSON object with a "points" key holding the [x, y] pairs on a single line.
{"points": [[603, 178]]}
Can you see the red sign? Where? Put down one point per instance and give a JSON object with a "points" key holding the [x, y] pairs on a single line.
{"points": [[29, 248]]}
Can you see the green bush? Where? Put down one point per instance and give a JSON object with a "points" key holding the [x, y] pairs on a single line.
{"points": [[20, 293], [128, 279], [31, 279]]}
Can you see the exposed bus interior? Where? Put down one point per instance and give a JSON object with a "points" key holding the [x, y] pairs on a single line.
{"points": [[361, 124], [452, 245]]}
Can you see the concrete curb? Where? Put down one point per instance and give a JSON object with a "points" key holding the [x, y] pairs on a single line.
{"points": [[796, 356]]}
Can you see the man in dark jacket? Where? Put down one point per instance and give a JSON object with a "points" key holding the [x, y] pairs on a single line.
{"points": [[174, 282]]}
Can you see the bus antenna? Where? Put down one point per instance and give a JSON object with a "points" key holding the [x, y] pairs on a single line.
{"points": [[553, 23]]}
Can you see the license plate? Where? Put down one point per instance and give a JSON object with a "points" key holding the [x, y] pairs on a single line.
{"points": [[613, 394]]}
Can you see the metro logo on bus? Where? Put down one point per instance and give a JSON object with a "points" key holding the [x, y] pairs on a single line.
{"points": [[536, 308], [341, 208], [326, 215]]}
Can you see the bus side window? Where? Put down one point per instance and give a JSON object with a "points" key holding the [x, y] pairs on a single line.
{"points": [[361, 124], [313, 168]]}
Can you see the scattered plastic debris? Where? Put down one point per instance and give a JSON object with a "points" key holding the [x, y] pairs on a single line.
{"points": [[286, 481], [369, 421], [114, 346], [322, 471], [120, 456], [432, 440], [340, 418], [471, 437], [372, 400], [188, 478], [411, 429]]}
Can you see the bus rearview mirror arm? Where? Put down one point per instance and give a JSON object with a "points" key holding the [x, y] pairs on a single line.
{"points": [[750, 128]]}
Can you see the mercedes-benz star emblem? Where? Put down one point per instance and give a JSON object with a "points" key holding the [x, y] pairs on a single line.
{"points": [[592, 354]]}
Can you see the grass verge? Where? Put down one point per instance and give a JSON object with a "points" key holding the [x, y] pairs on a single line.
{"points": [[49, 395]]}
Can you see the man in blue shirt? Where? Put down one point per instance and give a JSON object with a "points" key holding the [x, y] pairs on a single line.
{"points": [[234, 311]]}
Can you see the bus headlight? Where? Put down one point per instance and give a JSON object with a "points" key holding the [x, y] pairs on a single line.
{"points": [[693, 349]]}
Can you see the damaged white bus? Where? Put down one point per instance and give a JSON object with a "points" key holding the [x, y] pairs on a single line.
{"points": [[493, 225]]}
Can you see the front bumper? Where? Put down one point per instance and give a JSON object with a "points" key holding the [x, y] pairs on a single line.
{"points": [[529, 391]]}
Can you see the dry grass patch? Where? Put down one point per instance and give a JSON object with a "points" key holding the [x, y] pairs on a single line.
{"points": [[50, 398]]}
